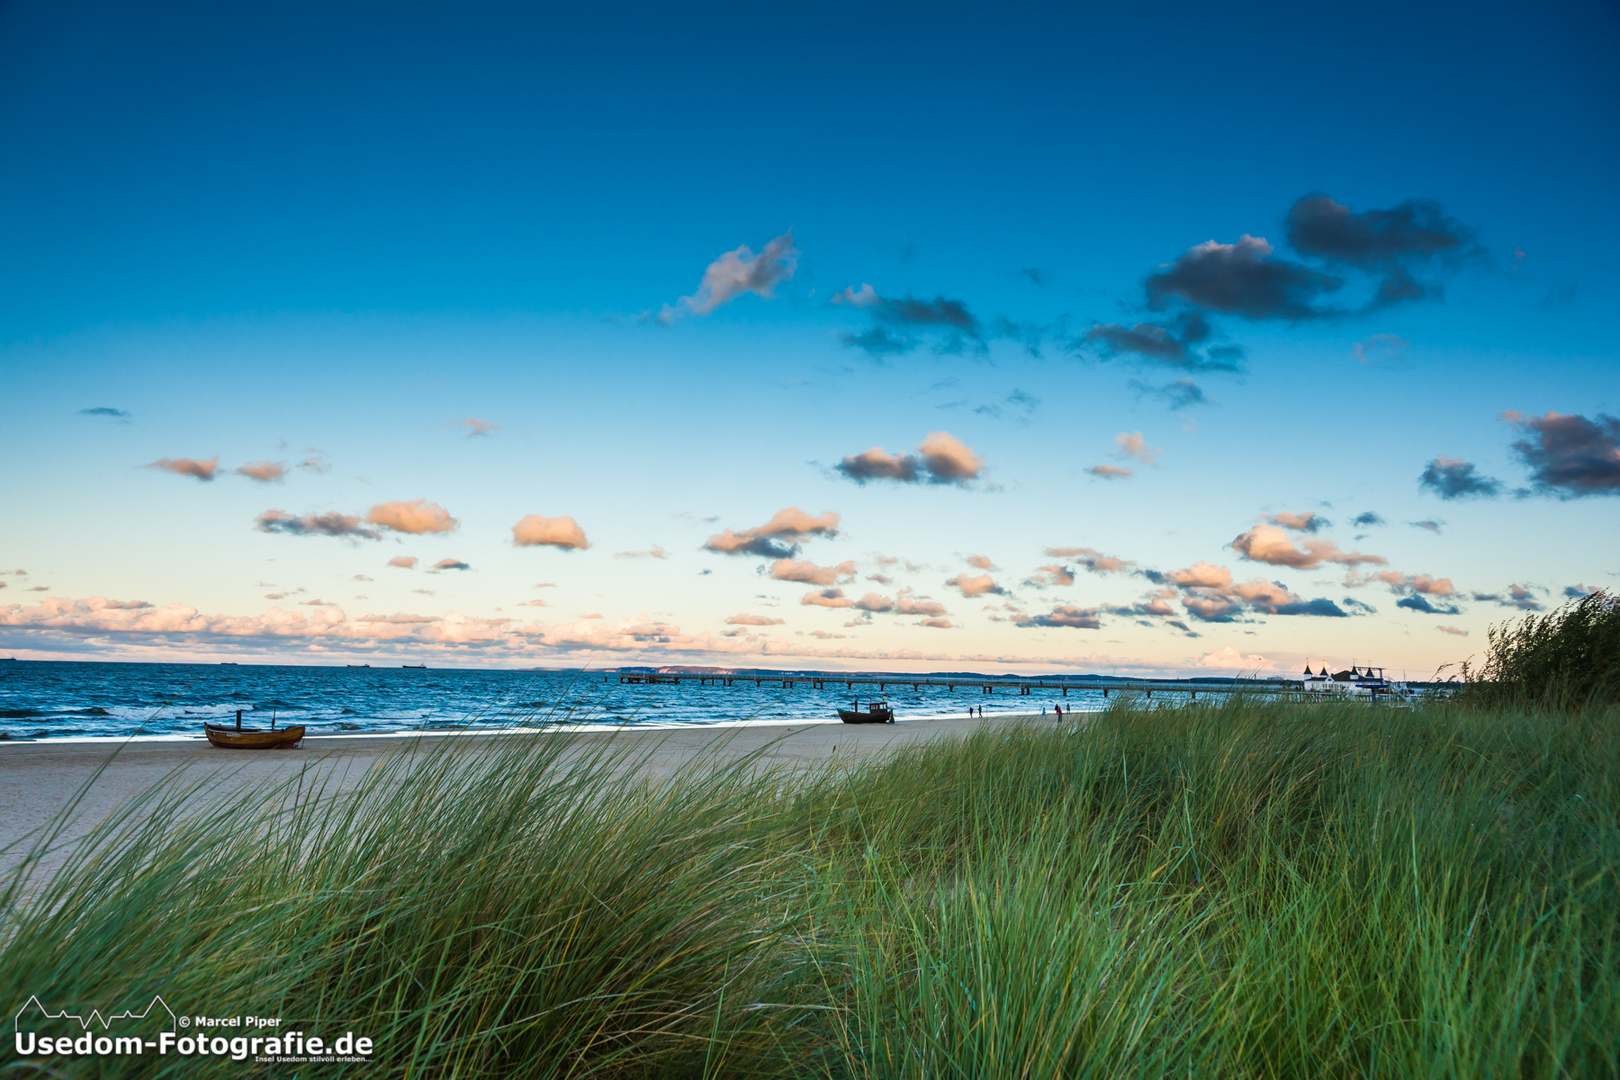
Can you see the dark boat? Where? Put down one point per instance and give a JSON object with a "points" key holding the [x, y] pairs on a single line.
{"points": [[414, 667], [877, 712], [237, 739]]}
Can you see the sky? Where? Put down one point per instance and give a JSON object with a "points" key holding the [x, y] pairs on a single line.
{"points": [[1182, 339]]}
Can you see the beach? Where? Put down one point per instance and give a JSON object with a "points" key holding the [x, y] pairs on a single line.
{"points": [[38, 780]]}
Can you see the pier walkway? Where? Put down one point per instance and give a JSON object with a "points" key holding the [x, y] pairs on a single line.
{"points": [[984, 685]]}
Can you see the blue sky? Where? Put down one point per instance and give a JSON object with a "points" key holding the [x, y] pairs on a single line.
{"points": [[420, 254]]}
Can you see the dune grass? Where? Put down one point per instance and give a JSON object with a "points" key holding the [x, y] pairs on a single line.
{"points": [[1239, 889], [1564, 659]]}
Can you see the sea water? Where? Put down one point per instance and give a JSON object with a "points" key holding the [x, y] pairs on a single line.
{"points": [[51, 699]]}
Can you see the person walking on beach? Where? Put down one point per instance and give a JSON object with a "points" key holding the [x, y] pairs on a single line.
{"points": [[1059, 710]]}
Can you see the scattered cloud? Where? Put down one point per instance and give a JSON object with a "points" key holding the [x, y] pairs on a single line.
{"points": [[108, 411], [865, 296], [654, 552], [980, 562], [404, 562], [1202, 575], [449, 564], [1173, 343], [1309, 522], [1132, 445], [809, 573], [1065, 615], [1051, 575], [754, 620], [475, 427], [1452, 630], [941, 458], [1423, 604], [1388, 256], [1453, 478], [874, 602], [360, 577], [1575, 592], [1269, 544], [316, 461], [1110, 472], [778, 538], [201, 468], [1516, 596], [559, 532], [736, 273], [1430, 525], [265, 472], [412, 518], [976, 586], [1569, 455], [917, 605], [328, 524], [1427, 584], [1380, 350], [1092, 559], [833, 598], [1367, 520], [937, 624], [1227, 658], [1183, 393]]}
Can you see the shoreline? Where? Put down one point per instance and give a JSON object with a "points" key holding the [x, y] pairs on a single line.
{"points": [[40, 778]]}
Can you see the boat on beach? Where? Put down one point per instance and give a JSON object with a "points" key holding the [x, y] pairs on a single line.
{"points": [[877, 712], [237, 739]]}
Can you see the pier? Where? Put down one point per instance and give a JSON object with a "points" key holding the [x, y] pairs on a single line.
{"points": [[981, 684]]}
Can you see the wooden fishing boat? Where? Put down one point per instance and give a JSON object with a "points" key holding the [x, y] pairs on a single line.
{"points": [[237, 739], [878, 712]]}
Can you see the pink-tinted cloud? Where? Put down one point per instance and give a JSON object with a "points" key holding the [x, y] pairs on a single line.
{"points": [[559, 532], [1310, 521], [654, 552], [475, 427], [980, 562], [1092, 559], [404, 562], [1452, 630], [1202, 574], [201, 468], [941, 458], [778, 538], [810, 574], [736, 273], [1110, 472], [1227, 658], [413, 518], [1269, 544], [937, 624], [1427, 584], [874, 602], [265, 472], [449, 564], [833, 598], [329, 524], [1064, 615], [1052, 575], [746, 619], [976, 586], [1132, 445], [948, 459], [917, 605]]}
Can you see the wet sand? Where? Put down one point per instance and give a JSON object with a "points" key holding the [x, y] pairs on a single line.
{"points": [[39, 779]]}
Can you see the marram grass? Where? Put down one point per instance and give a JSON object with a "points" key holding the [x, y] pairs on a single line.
{"points": [[1239, 890]]}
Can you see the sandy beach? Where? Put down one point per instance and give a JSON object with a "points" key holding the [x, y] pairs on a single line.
{"points": [[39, 779]]}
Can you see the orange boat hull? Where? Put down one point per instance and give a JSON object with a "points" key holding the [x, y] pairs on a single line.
{"points": [[230, 738]]}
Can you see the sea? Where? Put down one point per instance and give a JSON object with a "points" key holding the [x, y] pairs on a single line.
{"points": [[109, 700]]}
